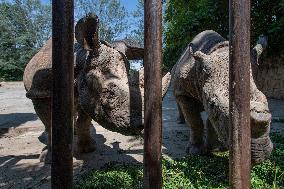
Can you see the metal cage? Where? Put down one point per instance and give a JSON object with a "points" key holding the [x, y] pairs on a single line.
{"points": [[63, 100]]}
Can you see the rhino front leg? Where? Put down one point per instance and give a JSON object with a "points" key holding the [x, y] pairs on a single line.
{"points": [[211, 139], [43, 110], [191, 110], [180, 117], [85, 142]]}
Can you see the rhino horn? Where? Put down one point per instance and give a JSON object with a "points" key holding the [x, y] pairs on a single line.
{"points": [[87, 32]]}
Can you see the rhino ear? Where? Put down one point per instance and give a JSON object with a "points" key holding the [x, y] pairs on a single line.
{"points": [[190, 50], [258, 49], [200, 56], [87, 32], [131, 49]]}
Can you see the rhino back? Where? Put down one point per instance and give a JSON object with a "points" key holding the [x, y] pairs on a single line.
{"points": [[38, 72], [205, 41]]}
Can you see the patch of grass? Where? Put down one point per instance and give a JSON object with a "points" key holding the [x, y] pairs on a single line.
{"points": [[192, 172], [112, 178]]}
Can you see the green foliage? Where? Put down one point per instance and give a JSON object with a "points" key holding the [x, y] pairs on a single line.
{"points": [[268, 19], [184, 19], [193, 172], [24, 26], [138, 21]]}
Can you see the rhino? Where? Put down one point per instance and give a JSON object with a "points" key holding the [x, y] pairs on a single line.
{"points": [[200, 80], [104, 89]]}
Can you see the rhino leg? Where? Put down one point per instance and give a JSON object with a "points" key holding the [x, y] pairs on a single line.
{"points": [[191, 109], [211, 139], [180, 117], [43, 110], [85, 142]]}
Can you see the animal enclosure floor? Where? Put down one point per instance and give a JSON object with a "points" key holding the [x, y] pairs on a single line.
{"points": [[20, 147]]}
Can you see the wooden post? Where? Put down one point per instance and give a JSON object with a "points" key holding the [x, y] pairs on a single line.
{"points": [[63, 93], [153, 94], [240, 132]]}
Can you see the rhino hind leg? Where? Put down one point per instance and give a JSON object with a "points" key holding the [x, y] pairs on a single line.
{"points": [[43, 110], [86, 143], [191, 109]]}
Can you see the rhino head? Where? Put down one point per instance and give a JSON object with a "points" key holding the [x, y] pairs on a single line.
{"points": [[107, 91]]}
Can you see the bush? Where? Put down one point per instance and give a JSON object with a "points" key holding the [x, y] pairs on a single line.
{"points": [[24, 26], [185, 19]]}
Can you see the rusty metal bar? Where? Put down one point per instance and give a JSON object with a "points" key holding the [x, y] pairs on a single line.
{"points": [[153, 94], [240, 133], [63, 90]]}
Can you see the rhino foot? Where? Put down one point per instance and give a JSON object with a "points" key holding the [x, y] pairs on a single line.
{"points": [[86, 145], [180, 120], [216, 147], [45, 156], [194, 149], [43, 138]]}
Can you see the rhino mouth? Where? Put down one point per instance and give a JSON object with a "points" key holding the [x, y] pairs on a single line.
{"points": [[261, 145], [260, 119], [260, 123]]}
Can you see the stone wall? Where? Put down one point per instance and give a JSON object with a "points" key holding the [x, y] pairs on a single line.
{"points": [[270, 77]]}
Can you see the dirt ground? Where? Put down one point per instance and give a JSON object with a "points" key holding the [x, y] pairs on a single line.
{"points": [[20, 147]]}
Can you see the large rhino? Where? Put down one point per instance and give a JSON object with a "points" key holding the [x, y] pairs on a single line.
{"points": [[104, 89], [201, 82]]}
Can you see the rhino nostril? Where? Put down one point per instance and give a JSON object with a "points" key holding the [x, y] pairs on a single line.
{"points": [[259, 113], [260, 119]]}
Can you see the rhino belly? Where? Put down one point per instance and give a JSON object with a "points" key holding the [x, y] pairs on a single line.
{"points": [[38, 84]]}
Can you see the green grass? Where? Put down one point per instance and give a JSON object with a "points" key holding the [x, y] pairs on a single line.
{"points": [[192, 172]]}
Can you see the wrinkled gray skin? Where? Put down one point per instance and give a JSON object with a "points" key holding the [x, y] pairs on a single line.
{"points": [[201, 82], [104, 90]]}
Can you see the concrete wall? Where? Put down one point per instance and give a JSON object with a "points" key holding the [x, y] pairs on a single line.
{"points": [[270, 77]]}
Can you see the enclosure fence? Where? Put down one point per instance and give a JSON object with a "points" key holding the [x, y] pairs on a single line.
{"points": [[63, 99]]}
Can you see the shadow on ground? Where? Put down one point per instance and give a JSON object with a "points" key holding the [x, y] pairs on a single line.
{"points": [[25, 171], [13, 120]]}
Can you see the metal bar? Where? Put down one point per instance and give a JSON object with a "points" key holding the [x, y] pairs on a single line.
{"points": [[240, 133], [63, 93], [153, 94]]}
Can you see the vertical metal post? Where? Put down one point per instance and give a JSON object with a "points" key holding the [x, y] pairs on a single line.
{"points": [[153, 94], [63, 94], [240, 132]]}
